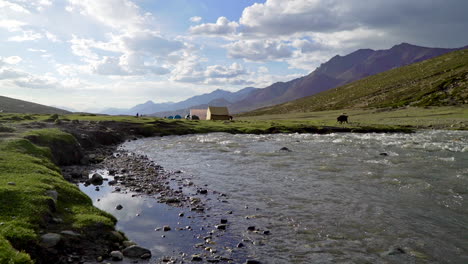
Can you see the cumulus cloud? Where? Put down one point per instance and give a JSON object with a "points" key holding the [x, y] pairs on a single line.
{"points": [[222, 27], [118, 14], [259, 50]]}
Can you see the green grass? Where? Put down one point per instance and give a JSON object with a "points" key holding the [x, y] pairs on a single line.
{"points": [[441, 81], [25, 205], [448, 117]]}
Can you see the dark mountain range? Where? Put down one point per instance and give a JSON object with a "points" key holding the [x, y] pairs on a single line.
{"points": [[338, 71], [11, 105], [218, 97]]}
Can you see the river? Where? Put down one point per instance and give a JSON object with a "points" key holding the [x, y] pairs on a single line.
{"points": [[336, 198]]}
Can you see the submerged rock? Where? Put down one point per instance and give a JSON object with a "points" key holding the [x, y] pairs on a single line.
{"points": [[285, 149]]}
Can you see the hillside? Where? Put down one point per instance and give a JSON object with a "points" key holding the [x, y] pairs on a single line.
{"points": [[338, 71], [439, 81], [10, 105]]}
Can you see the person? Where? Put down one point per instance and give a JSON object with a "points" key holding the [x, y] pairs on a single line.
{"points": [[137, 115]]}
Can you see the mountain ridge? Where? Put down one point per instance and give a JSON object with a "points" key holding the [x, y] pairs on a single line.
{"points": [[12, 105]]}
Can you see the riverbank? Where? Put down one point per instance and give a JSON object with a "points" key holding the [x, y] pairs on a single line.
{"points": [[47, 219]]}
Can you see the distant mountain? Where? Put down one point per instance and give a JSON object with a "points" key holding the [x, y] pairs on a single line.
{"points": [[435, 82], [218, 97], [11, 105], [338, 71]]}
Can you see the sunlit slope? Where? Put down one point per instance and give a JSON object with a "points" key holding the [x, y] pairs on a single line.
{"points": [[10, 105], [435, 82]]}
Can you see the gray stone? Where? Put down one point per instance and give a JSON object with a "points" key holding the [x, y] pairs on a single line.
{"points": [[50, 239], [70, 233], [116, 255], [135, 251]]}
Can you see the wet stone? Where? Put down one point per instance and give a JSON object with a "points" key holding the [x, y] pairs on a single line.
{"points": [[116, 255], [166, 228], [221, 227], [251, 228], [119, 207]]}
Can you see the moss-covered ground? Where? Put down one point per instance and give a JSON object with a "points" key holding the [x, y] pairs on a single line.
{"points": [[27, 173]]}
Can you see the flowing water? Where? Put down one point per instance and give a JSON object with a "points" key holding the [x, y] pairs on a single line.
{"points": [[337, 198]]}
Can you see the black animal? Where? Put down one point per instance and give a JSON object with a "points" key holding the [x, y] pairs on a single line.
{"points": [[342, 119]]}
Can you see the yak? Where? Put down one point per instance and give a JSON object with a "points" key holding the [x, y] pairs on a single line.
{"points": [[342, 119]]}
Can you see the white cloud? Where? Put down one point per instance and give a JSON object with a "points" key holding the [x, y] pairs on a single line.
{"points": [[118, 14], [222, 27], [11, 25], [26, 36], [12, 59], [10, 6], [196, 19], [259, 50]]}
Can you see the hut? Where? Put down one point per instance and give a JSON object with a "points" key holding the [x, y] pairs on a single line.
{"points": [[217, 113], [201, 113]]}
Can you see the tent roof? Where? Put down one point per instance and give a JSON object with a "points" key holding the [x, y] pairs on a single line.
{"points": [[218, 110]]}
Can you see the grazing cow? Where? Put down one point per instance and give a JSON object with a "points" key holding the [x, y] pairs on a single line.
{"points": [[342, 119]]}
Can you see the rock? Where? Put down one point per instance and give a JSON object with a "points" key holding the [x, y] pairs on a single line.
{"points": [[266, 232], [251, 228], [135, 252], [285, 149], [50, 239], [145, 256], [223, 221], [203, 191], [251, 261], [383, 154], [197, 258], [96, 179], [173, 200], [181, 215], [128, 243], [119, 207], [113, 182], [12, 183], [221, 227], [240, 245], [70, 233], [394, 251], [116, 255], [166, 228]]}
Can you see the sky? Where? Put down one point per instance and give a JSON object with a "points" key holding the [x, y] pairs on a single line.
{"points": [[89, 55]]}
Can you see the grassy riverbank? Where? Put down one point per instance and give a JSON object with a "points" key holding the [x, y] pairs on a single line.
{"points": [[29, 181], [32, 146]]}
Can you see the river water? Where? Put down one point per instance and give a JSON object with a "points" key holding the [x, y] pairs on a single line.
{"points": [[336, 198]]}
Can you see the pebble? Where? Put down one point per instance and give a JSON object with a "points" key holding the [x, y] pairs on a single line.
{"points": [[240, 245], [224, 221], [197, 258], [181, 214], [11, 183], [166, 228], [251, 261], [119, 207], [251, 228]]}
